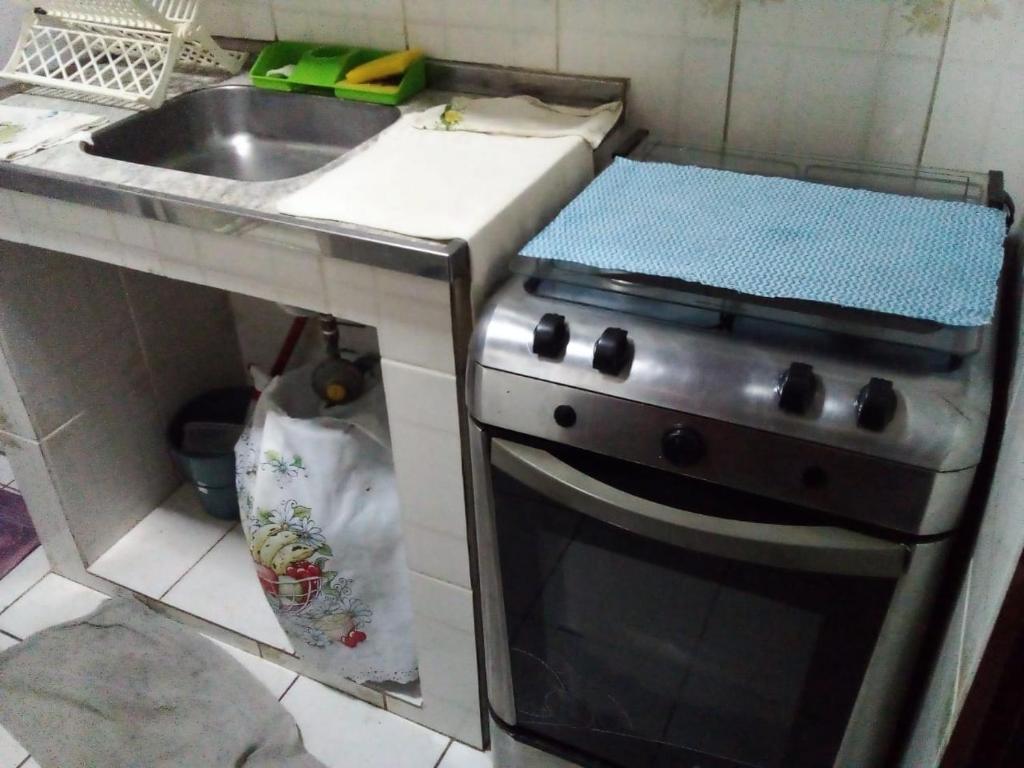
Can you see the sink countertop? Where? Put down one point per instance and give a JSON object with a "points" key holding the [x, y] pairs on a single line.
{"points": [[228, 206]]}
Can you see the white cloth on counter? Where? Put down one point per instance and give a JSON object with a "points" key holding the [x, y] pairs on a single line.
{"points": [[26, 130], [521, 116], [320, 511], [495, 192]]}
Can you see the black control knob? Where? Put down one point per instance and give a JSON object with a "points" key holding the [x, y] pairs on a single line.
{"points": [[797, 386], [551, 336], [876, 405], [682, 446], [565, 416], [611, 352]]}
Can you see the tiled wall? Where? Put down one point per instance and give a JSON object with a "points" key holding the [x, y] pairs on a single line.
{"points": [[938, 81]]}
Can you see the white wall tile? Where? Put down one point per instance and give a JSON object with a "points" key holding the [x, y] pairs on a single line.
{"points": [[177, 252], [138, 244], [422, 408], [446, 644], [249, 19], [442, 603], [267, 270], [978, 106], [342, 732], [10, 229], [351, 290], [421, 396], [675, 54], [414, 320], [831, 78], [444, 556], [33, 212], [520, 34], [377, 24], [430, 458]]}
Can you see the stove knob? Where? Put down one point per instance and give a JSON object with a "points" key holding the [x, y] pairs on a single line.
{"points": [[611, 352], [876, 405], [797, 386], [551, 336], [682, 446]]}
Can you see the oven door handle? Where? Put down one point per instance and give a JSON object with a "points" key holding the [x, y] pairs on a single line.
{"points": [[823, 549]]}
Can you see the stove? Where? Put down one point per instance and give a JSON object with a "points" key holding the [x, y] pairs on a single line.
{"points": [[710, 526]]}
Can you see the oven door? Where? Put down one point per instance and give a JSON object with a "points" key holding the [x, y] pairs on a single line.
{"points": [[632, 630]]}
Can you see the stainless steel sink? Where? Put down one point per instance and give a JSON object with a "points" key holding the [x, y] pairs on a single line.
{"points": [[244, 133]]}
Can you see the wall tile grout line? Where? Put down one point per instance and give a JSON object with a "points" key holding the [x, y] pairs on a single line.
{"points": [[732, 72], [558, 36], [405, 29], [885, 53], [935, 83]]}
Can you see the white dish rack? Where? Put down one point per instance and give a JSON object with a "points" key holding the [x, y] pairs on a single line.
{"points": [[121, 49]]}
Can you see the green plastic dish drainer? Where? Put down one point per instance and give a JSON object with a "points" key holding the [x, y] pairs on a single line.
{"points": [[323, 68]]}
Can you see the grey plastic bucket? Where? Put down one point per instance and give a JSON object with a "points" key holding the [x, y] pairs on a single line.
{"points": [[211, 467]]}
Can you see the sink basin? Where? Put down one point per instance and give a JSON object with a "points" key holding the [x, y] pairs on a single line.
{"points": [[244, 133]]}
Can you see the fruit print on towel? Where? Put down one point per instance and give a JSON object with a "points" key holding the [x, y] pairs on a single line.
{"points": [[292, 561]]}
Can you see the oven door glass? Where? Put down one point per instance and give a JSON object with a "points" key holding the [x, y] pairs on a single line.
{"points": [[639, 652]]}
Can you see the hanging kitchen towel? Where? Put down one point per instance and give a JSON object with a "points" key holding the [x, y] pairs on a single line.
{"points": [[521, 116], [320, 511], [25, 130], [492, 191]]}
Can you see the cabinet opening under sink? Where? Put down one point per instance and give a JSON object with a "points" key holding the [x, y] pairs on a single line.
{"points": [[243, 133]]}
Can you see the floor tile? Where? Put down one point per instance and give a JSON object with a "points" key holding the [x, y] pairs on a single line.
{"points": [[275, 678], [6, 473], [161, 549], [6, 641], [12, 754], [53, 600], [23, 577], [461, 756], [223, 588], [342, 731]]}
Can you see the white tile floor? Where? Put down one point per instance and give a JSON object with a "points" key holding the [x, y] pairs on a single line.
{"points": [[338, 729], [6, 475], [157, 552], [183, 557]]}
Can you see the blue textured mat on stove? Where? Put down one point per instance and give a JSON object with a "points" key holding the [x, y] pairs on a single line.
{"points": [[777, 237]]}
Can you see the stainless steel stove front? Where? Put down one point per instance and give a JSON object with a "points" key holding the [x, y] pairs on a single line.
{"points": [[680, 568], [626, 624]]}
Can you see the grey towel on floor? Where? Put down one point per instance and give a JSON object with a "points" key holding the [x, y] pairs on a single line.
{"points": [[127, 688]]}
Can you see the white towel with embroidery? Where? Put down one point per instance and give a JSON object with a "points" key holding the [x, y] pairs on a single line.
{"points": [[320, 512], [26, 130], [521, 116]]}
